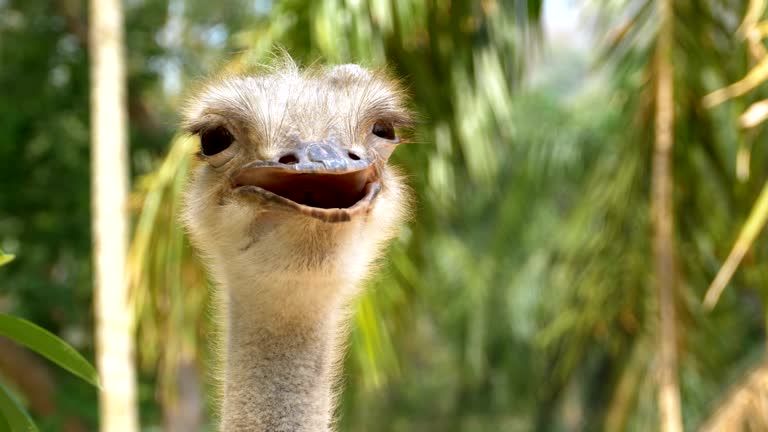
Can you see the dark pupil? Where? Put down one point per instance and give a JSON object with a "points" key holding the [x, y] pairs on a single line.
{"points": [[215, 141], [384, 130]]}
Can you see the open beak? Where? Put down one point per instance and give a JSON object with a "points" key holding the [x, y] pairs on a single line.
{"points": [[320, 180]]}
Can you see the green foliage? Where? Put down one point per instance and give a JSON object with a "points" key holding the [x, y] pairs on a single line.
{"points": [[12, 415], [519, 297], [43, 342], [47, 344], [601, 335], [523, 283], [5, 258]]}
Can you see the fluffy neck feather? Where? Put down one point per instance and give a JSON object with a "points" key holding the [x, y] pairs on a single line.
{"points": [[281, 356]]}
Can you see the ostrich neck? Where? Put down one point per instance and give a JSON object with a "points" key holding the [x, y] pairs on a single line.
{"points": [[281, 355]]}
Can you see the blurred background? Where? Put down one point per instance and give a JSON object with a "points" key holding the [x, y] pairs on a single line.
{"points": [[522, 296]]}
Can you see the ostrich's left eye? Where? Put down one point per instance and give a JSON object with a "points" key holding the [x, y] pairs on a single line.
{"points": [[215, 141], [384, 130]]}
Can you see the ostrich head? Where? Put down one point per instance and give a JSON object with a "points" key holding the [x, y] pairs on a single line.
{"points": [[294, 181]]}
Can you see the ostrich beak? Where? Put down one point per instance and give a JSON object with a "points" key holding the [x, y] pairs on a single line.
{"points": [[320, 180]]}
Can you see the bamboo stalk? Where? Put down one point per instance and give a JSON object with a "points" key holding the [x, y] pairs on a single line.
{"points": [[663, 221], [109, 188]]}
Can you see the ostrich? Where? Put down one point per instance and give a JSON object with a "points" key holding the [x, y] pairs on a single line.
{"points": [[291, 206]]}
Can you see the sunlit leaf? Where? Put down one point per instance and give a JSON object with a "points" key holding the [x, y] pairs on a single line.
{"points": [[755, 114], [5, 258]]}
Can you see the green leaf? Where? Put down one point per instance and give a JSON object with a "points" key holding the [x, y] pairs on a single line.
{"points": [[5, 258], [13, 414], [47, 344], [4, 426]]}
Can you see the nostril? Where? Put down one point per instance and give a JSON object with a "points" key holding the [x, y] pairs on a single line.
{"points": [[353, 156], [289, 159]]}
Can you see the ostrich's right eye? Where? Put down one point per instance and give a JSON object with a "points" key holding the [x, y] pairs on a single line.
{"points": [[384, 130], [215, 141]]}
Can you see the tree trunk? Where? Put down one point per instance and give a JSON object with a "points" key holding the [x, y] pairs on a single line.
{"points": [[663, 221], [109, 183]]}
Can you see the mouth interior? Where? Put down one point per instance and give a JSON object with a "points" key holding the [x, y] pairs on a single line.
{"points": [[318, 190]]}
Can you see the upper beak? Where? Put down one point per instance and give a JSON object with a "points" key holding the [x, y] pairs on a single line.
{"points": [[319, 179]]}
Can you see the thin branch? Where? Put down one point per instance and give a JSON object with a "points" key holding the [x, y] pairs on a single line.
{"points": [[754, 78], [749, 231]]}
